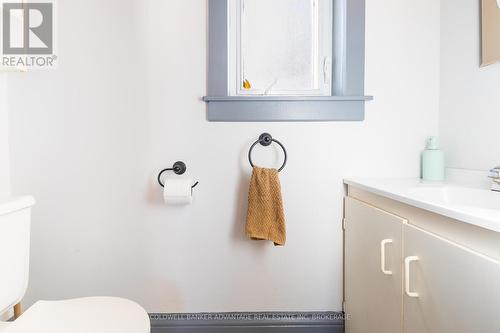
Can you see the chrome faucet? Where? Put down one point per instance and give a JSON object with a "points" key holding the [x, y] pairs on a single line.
{"points": [[494, 174]]}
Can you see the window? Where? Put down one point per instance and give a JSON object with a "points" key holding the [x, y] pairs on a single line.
{"points": [[280, 47], [286, 60]]}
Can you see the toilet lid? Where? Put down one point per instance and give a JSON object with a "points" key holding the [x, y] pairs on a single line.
{"points": [[83, 315]]}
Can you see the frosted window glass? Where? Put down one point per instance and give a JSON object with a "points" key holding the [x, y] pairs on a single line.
{"points": [[279, 45]]}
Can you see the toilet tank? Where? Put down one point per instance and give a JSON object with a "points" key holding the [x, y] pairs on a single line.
{"points": [[15, 216]]}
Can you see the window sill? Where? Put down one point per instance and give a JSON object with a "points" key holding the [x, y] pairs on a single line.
{"points": [[285, 98], [286, 108]]}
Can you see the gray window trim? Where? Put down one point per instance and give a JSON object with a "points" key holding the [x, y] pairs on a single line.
{"points": [[347, 102]]}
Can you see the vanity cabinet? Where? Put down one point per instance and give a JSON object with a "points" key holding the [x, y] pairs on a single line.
{"points": [[373, 270], [458, 289], [401, 278]]}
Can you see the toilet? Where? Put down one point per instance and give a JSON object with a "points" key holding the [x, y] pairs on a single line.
{"points": [[81, 315]]}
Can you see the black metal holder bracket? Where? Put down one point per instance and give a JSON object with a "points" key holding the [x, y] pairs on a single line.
{"points": [[178, 168], [265, 139]]}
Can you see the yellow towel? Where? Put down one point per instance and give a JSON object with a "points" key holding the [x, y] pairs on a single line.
{"points": [[265, 217]]}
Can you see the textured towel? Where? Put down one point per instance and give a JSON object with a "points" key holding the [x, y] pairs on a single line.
{"points": [[265, 217]]}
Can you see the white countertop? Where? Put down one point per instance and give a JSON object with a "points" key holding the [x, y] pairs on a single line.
{"points": [[476, 206]]}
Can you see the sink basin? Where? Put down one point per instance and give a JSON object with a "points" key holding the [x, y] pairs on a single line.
{"points": [[477, 206], [467, 198]]}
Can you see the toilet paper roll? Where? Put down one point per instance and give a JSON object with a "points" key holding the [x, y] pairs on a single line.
{"points": [[177, 191]]}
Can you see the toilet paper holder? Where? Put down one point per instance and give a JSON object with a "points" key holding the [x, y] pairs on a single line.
{"points": [[178, 168]]}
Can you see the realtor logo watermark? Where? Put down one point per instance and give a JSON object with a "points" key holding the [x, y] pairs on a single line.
{"points": [[28, 34]]}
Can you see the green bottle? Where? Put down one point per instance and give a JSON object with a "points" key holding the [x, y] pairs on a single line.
{"points": [[433, 161]]}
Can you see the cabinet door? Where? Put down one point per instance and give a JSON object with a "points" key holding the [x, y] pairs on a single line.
{"points": [[373, 279], [458, 289]]}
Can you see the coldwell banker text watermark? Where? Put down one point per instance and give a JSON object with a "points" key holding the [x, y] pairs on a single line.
{"points": [[28, 34]]}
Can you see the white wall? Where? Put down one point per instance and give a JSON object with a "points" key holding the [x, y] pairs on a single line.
{"points": [[125, 102], [470, 99], [4, 138]]}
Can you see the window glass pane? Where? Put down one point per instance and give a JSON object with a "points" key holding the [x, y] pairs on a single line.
{"points": [[279, 45]]}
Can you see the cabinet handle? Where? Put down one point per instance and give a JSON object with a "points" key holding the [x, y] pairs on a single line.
{"points": [[408, 261], [382, 256]]}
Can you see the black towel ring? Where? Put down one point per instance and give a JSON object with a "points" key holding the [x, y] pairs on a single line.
{"points": [[179, 168], [266, 139]]}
